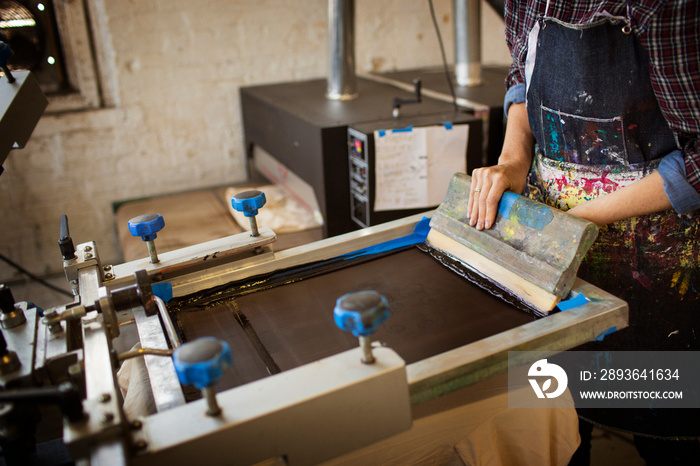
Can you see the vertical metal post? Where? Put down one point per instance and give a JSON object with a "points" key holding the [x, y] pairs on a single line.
{"points": [[152, 252], [467, 24], [341, 50], [213, 408], [253, 226], [366, 345]]}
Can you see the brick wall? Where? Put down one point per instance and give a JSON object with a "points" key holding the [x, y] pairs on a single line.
{"points": [[177, 125]]}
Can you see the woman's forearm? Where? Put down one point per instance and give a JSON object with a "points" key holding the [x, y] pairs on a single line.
{"points": [[643, 197]]}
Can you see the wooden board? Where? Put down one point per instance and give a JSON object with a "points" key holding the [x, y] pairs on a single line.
{"points": [[192, 218]]}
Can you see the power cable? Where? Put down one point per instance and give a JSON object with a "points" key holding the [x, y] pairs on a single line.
{"points": [[444, 58], [34, 277]]}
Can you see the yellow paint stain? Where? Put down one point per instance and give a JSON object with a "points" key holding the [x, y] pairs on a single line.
{"points": [[508, 230], [674, 280], [680, 281], [685, 284], [570, 197]]}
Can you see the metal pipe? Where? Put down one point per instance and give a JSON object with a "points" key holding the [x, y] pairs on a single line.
{"points": [[341, 50], [167, 323], [144, 352], [467, 24]]}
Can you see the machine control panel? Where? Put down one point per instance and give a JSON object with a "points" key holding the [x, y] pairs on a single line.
{"points": [[359, 177], [362, 159]]}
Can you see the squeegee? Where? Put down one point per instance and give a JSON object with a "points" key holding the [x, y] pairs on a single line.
{"points": [[532, 251]]}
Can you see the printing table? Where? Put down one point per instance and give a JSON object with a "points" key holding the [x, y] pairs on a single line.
{"points": [[450, 332], [296, 379]]}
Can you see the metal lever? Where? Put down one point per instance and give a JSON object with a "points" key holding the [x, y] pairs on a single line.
{"points": [[65, 242], [398, 102], [361, 312], [144, 352], [65, 395], [140, 293], [5, 54]]}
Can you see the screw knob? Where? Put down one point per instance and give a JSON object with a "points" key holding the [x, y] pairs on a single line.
{"points": [[11, 315], [202, 362], [146, 226], [361, 312], [248, 202]]}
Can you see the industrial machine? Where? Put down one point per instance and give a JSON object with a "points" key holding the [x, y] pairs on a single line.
{"points": [[297, 389], [296, 133], [299, 139], [251, 355]]}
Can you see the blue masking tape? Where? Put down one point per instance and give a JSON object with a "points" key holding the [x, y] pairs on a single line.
{"points": [[420, 232], [506, 203], [537, 216], [163, 290], [578, 300], [447, 125], [381, 133], [39, 310], [607, 332], [407, 129], [512, 206]]}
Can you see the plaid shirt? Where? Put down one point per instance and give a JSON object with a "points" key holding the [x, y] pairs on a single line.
{"points": [[667, 29]]}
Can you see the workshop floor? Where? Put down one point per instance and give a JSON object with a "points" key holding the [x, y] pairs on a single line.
{"points": [[608, 448]]}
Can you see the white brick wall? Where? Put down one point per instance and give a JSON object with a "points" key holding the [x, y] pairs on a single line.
{"points": [[177, 127]]}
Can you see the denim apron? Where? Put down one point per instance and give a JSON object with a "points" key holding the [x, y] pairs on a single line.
{"points": [[598, 128]]}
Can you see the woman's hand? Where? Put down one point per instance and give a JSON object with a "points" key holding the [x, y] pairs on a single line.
{"points": [[489, 183]]}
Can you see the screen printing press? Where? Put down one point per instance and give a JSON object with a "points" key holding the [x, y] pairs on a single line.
{"points": [[297, 388]]}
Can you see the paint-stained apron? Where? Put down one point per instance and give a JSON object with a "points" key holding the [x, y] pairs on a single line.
{"points": [[599, 128]]}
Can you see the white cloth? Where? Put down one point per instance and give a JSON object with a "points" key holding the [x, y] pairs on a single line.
{"points": [[281, 213], [135, 387], [474, 426]]}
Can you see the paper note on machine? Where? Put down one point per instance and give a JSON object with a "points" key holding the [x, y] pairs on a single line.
{"points": [[414, 165]]}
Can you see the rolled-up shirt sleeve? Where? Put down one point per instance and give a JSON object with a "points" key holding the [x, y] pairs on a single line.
{"points": [[684, 198], [514, 95], [668, 32], [519, 18]]}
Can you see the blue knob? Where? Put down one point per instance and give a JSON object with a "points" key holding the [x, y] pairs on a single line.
{"points": [[248, 202], [202, 362], [5, 53], [146, 226], [361, 312]]}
